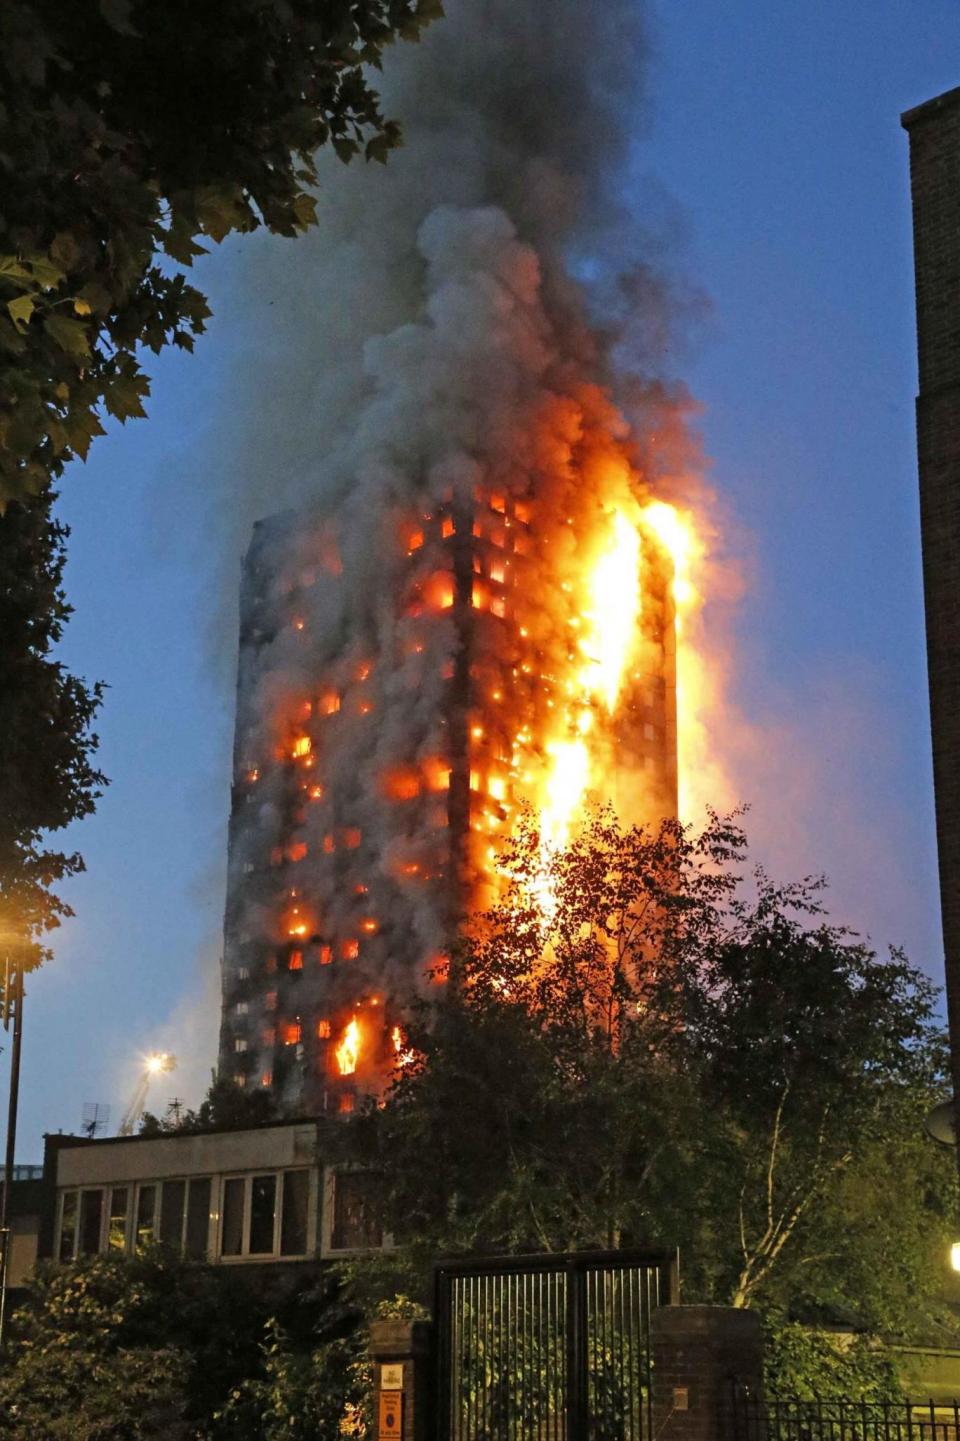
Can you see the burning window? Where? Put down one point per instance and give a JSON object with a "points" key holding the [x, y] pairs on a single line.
{"points": [[347, 1050], [290, 1033], [447, 526], [296, 851], [329, 703], [326, 955], [324, 1031], [438, 590], [369, 925], [302, 746], [437, 774], [295, 961], [349, 950], [402, 784]]}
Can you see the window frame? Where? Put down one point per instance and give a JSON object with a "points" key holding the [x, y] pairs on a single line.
{"points": [[245, 1256]]}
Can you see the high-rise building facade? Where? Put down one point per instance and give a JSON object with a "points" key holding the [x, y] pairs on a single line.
{"points": [[410, 681], [934, 131]]}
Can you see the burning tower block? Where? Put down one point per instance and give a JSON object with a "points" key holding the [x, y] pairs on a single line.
{"points": [[412, 677]]}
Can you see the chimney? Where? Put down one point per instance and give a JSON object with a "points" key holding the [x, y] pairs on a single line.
{"points": [[934, 131]]}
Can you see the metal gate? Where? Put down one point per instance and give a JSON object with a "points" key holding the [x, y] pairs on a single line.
{"points": [[548, 1348]]}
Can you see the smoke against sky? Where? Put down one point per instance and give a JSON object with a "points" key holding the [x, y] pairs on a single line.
{"points": [[787, 159]]}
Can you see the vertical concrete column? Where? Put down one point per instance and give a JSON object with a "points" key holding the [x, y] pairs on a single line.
{"points": [[402, 1355], [702, 1357]]}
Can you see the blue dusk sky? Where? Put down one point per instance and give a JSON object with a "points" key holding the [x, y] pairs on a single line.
{"points": [[772, 141]]}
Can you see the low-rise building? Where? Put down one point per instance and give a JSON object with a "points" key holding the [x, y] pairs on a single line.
{"points": [[261, 1196]]}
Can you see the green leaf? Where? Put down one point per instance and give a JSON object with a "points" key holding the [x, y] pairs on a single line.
{"points": [[97, 296], [346, 149], [21, 310], [305, 209], [47, 275], [124, 397], [65, 250], [378, 148], [13, 269], [70, 335]]}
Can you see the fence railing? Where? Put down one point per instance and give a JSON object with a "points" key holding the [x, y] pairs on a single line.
{"points": [[791, 1419]]}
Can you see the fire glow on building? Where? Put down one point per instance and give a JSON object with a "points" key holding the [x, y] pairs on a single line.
{"points": [[517, 649], [482, 599]]}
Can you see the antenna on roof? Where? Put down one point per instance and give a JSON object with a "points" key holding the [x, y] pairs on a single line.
{"points": [[96, 1117]]}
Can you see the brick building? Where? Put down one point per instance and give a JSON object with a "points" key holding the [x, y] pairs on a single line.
{"points": [[934, 132]]}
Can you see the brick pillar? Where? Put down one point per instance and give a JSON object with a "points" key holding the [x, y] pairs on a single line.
{"points": [[934, 131], [402, 1356], [702, 1356]]}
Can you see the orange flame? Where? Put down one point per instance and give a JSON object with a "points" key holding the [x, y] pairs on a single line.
{"points": [[402, 1052], [347, 1050]]}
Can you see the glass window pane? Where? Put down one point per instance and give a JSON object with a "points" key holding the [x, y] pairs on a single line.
{"points": [[263, 1204], [355, 1225], [231, 1224], [198, 1218], [171, 1214], [293, 1219], [91, 1214], [117, 1235], [68, 1226], [146, 1211]]}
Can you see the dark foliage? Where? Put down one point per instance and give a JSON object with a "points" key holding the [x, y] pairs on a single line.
{"points": [[132, 132], [46, 777]]}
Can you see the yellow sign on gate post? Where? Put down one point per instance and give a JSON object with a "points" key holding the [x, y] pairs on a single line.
{"points": [[391, 1416]]}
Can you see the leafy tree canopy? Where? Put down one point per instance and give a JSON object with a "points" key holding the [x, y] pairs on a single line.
{"points": [[133, 132], [651, 1044], [225, 1107], [46, 775]]}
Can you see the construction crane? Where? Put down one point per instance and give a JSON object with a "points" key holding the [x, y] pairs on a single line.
{"points": [[161, 1063]]}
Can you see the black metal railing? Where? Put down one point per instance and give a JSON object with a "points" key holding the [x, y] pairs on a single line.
{"points": [[548, 1348], [790, 1419]]}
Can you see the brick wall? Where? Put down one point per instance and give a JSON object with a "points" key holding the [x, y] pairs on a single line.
{"points": [[934, 131], [702, 1357]]}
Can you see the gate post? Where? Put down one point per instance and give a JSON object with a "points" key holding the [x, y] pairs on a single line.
{"points": [[703, 1356], [401, 1355]]}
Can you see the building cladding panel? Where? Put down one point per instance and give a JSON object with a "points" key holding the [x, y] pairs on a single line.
{"points": [[374, 777], [934, 132]]}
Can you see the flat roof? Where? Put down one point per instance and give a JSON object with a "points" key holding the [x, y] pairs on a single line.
{"points": [[931, 108], [64, 1140]]}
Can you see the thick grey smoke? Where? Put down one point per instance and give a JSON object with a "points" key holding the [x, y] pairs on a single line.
{"points": [[530, 108]]}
